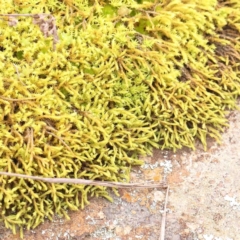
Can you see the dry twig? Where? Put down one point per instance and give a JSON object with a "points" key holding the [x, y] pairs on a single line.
{"points": [[86, 182], [163, 224]]}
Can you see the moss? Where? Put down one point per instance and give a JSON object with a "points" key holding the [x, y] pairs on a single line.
{"points": [[125, 77]]}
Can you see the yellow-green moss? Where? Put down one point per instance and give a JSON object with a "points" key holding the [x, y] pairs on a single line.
{"points": [[124, 77]]}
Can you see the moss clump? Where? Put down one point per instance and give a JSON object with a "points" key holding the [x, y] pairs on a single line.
{"points": [[124, 77]]}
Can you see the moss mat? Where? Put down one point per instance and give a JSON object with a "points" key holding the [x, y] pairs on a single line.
{"points": [[88, 86]]}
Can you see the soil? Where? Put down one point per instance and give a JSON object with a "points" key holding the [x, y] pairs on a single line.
{"points": [[203, 201]]}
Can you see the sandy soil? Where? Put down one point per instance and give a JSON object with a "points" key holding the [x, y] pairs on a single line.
{"points": [[203, 202]]}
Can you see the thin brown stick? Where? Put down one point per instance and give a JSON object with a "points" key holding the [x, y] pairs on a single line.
{"points": [[163, 223], [86, 182]]}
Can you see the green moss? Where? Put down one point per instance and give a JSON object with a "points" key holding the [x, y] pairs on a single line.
{"points": [[109, 10], [117, 85]]}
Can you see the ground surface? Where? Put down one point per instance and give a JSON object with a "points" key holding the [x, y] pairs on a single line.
{"points": [[203, 202]]}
